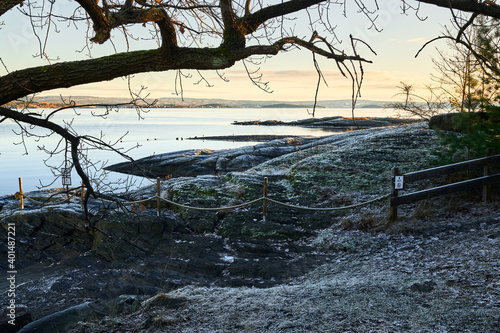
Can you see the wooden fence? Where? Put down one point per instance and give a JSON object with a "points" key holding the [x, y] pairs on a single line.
{"points": [[485, 181]]}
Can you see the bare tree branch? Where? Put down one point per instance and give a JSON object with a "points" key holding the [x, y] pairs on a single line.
{"points": [[488, 8]]}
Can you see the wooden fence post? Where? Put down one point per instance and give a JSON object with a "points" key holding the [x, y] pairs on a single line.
{"points": [[158, 183], [393, 209], [264, 202], [486, 188], [21, 198]]}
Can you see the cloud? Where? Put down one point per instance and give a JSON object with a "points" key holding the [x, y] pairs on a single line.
{"points": [[418, 40], [292, 84]]}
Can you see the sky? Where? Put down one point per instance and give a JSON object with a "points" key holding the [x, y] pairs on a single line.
{"points": [[291, 75]]}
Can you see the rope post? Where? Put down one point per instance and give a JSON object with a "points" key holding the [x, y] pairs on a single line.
{"points": [[393, 209], [82, 196], [264, 202], [158, 196], [67, 194], [21, 198]]}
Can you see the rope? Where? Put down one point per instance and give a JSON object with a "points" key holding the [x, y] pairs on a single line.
{"points": [[214, 209], [329, 209], [211, 209], [125, 202], [18, 194]]}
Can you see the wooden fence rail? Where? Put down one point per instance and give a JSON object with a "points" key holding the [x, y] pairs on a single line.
{"points": [[485, 181]]}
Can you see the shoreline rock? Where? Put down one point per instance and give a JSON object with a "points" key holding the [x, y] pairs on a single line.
{"points": [[337, 123], [189, 163]]}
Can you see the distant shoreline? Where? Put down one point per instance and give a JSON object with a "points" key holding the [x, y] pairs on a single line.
{"points": [[203, 103]]}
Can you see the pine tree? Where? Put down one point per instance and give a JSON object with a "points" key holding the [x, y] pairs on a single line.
{"points": [[472, 76]]}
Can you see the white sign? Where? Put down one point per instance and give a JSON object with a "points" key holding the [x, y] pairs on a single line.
{"points": [[398, 182], [66, 180]]}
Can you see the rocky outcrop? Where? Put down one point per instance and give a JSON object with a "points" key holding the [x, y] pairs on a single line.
{"points": [[209, 162], [190, 163], [443, 122], [195, 162], [333, 123], [62, 321], [48, 237], [244, 138]]}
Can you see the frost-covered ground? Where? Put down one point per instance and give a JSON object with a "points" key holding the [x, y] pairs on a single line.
{"points": [[446, 278], [437, 269]]}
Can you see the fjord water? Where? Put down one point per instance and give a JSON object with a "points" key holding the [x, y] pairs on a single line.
{"points": [[159, 131]]}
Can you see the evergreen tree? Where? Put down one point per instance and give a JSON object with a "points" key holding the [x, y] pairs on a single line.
{"points": [[471, 78]]}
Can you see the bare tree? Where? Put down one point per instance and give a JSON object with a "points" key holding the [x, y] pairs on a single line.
{"points": [[417, 105], [235, 31], [180, 29], [467, 71], [474, 38]]}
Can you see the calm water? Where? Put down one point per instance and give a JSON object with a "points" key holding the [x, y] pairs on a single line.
{"points": [[161, 131]]}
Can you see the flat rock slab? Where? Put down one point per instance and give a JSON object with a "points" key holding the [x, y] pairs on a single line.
{"points": [[337, 122], [195, 162]]}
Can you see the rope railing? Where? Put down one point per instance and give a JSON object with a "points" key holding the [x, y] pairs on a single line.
{"points": [[211, 209], [396, 184], [328, 209], [18, 194], [21, 196], [265, 199]]}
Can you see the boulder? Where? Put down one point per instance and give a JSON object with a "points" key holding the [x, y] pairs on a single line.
{"points": [[450, 121], [62, 321], [443, 122]]}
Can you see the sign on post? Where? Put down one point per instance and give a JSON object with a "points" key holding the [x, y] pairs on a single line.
{"points": [[398, 182], [66, 181], [66, 176]]}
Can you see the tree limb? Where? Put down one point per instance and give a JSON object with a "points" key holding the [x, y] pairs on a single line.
{"points": [[488, 8], [72, 139], [252, 21], [6, 5]]}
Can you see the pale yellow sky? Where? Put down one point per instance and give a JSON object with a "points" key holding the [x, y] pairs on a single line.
{"points": [[291, 75]]}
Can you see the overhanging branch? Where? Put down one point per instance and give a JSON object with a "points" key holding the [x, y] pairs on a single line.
{"points": [[279, 46], [68, 74], [6, 5], [488, 8], [72, 139]]}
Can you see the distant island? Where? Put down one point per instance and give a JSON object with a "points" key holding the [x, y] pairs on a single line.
{"points": [[52, 102], [289, 106], [372, 106]]}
